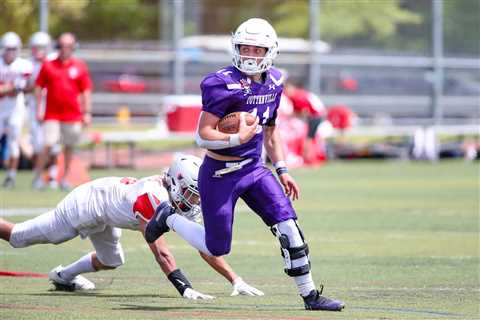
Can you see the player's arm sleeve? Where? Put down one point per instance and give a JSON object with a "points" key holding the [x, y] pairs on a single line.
{"points": [[210, 144]]}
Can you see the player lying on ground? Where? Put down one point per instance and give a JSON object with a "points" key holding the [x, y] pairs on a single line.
{"points": [[99, 209], [232, 167]]}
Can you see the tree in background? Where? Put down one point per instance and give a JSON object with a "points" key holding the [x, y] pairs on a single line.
{"points": [[106, 19], [19, 16], [462, 26], [360, 22], [88, 19], [400, 25]]}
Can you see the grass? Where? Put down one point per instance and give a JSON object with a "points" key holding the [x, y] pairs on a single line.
{"points": [[394, 240]]}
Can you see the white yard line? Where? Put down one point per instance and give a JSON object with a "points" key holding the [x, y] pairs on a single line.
{"points": [[23, 211]]}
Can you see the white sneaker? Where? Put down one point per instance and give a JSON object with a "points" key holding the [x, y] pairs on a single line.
{"points": [[65, 186], [38, 184], [53, 184], [77, 283]]}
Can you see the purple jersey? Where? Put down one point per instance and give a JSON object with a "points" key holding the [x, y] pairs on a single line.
{"points": [[229, 90]]}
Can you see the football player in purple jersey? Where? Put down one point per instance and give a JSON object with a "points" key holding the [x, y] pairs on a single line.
{"points": [[233, 162]]}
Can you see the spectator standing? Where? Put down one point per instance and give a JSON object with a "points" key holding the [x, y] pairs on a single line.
{"points": [[68, 107], [14, 74], [40, 45]]}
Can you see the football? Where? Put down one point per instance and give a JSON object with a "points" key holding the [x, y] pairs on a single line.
{"points": [[231, 122]]}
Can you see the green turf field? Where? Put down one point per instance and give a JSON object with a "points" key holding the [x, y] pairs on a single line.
{"points": [[394, 240]]}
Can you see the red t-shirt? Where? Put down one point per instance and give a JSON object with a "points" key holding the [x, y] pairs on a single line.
{"points": [[64, 82], [306, 102]]}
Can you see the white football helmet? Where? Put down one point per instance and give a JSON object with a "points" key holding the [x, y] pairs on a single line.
{"points": [[11, 40], [182, 185], [254, 32], [40, 39]]}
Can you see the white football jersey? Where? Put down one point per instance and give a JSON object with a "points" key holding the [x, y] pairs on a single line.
{"points": [[17, 73], [114, 201], [36, 67]]}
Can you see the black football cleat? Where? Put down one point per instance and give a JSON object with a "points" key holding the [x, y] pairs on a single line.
{"points": [[158, 224], [315, 301]]}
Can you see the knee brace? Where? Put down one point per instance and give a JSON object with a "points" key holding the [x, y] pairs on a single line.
{"points": [[293, 248]]}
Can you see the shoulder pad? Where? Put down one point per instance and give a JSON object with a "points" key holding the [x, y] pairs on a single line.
{"points": [[223, 77], [276, 76]]}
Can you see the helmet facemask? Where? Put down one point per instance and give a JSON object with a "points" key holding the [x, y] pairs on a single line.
{"points": [[249, 65], [181, 183], [189, 197]]}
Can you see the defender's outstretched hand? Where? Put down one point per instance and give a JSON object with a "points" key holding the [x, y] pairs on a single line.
{"points": [[192, 294], [243, 288]]}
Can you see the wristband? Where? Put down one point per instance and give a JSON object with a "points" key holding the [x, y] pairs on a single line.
{"points": [[234, 140], [281, 170], [179, 281], [279, 164]]}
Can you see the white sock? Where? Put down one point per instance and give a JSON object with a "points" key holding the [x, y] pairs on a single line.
{"points": [[36, 174], [12, 173], [82, 265], [190, 231], [304, 283], [53, 172]]}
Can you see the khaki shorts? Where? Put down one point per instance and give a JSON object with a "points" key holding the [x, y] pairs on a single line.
{"points": [[66, 133]]}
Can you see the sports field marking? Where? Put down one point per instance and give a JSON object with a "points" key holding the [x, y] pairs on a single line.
{"points": [[7, 273], [23, 212], [269, 307], [410, 310]]}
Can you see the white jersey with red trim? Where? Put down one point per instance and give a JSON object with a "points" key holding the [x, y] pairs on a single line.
{"points": [[113, 201], [36, 67], [16, 73]]}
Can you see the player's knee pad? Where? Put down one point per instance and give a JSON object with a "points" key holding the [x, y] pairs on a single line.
{"points": [[293, 247], [113, 259]]}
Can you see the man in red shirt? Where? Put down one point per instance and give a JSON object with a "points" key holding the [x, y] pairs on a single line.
{"points": [[68, 106], [309, 107]]}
